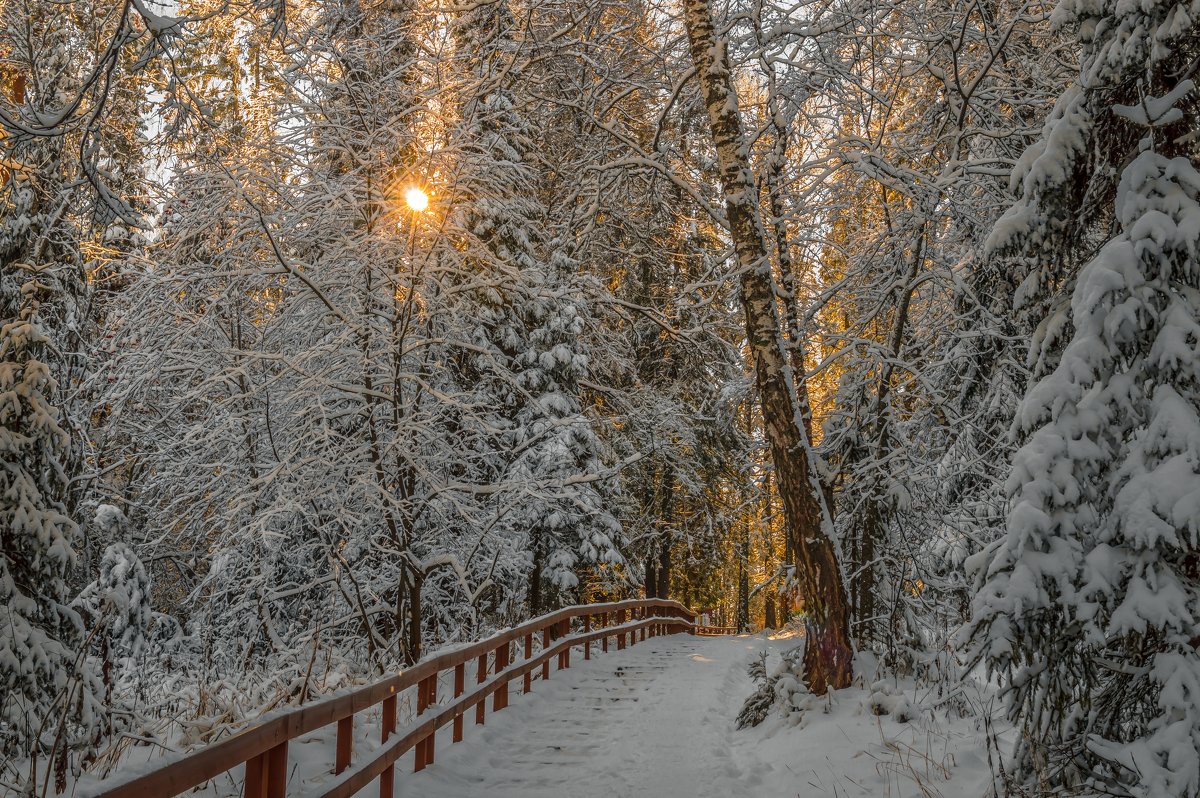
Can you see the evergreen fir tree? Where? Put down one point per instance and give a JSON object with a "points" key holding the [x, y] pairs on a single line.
{"points": [[1089, 605], [531, 324], [42, 687]]}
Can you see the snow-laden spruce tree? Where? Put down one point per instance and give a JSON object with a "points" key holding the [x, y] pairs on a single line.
{"points": [[44, 692], [1089, 607], [39, 633], [565, 507], [531, 322]]}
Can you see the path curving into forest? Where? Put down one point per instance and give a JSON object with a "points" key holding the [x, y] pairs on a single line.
{"points": [[653, 719]]}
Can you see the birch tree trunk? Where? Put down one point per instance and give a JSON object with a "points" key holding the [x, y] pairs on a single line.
{"points": [[828, 653]]}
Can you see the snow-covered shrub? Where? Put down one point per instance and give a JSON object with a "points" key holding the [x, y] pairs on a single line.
{"points": [[116, 606]]}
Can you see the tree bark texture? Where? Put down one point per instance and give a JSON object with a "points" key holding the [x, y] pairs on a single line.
{"points": [[828, 652]]}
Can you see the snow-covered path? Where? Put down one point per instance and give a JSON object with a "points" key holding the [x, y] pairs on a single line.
{"points": [[654, 719], [658, 719]]}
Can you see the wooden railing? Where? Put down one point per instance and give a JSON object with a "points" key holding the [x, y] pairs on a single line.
{"points": [[263, 747]]}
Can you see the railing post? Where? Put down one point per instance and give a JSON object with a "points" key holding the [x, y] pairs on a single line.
{"points": [[480, 677], [620, 635], [545, 645], [431, 740], [460, 684], [426, 695], [587, 644], [345, 744], [387, 780], [255, 785], [419, 750], [528, 655], [266, 774], [500, 697]]}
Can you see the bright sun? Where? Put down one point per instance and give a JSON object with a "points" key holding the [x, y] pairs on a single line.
{"points": [[417, 199]]}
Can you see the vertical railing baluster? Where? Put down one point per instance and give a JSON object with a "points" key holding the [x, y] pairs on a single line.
{"points": [[387, 780], [528, 655], [345, 744], [480, 677], [419, 753], [431, 740], [500, 697], [256, 777], [564, 656], [277, 771], [266, 774], [460, 683]]}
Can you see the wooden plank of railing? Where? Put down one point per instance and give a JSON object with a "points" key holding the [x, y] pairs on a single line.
{"points": [[263, 747]]}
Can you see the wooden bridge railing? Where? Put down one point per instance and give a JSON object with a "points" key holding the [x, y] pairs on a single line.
{"points": [[263, 747]]}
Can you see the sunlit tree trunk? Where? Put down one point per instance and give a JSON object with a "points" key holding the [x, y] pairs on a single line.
{"points": [[828, 653]]}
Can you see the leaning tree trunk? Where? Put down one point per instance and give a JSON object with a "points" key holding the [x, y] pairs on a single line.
{"points": [[828, 652]]}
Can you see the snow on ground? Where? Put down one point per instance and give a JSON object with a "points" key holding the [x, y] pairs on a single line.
{"points": [[658, 719]]}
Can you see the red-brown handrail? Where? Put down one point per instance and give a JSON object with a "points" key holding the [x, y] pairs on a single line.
{"points": [[263, 747]]}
